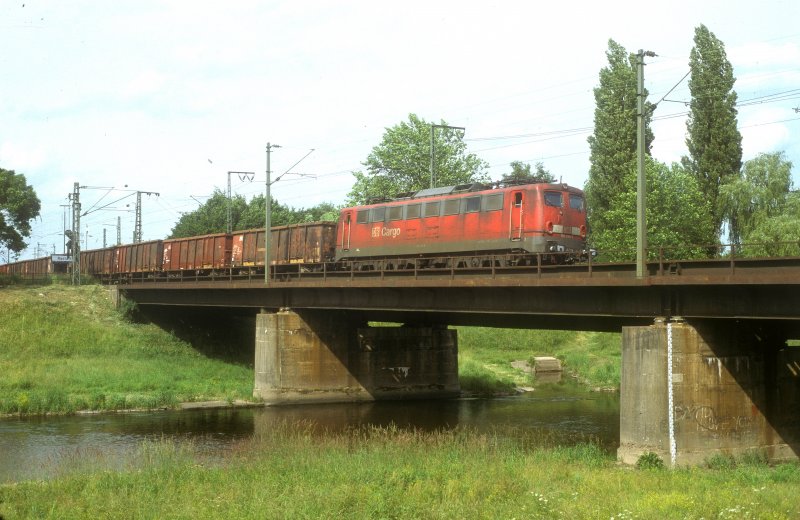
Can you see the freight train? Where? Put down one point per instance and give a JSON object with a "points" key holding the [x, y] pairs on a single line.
{"points": [[465, 226]]}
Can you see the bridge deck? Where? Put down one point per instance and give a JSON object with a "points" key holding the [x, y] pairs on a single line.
{"points": [[596, 297]]}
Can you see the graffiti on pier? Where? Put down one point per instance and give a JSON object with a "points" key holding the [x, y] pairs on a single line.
{"points": [[399, 374], [706, 419]]}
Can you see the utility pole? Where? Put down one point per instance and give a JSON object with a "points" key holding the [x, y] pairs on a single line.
{"points": [[433, 146], [268, 204], [137, 227], [249, 176], [641, 185], [119, 231], [76, 234], [64, 226], [104, 238], [137, 232], [268, 210]]}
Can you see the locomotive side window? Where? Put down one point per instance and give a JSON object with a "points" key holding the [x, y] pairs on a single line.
{"points": [[395, 212], [412, 210], [553, 198], [363, 216], [377, 214], [518, 199], [576, 202], [493, 202], [432, 209], [472, 204], [451, 206]]}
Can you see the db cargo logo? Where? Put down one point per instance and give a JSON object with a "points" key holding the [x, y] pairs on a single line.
{"points": [[378, 232]]}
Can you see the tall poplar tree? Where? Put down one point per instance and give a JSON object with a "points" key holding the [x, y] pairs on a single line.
{"points": [[613, 143], [713, 139]]}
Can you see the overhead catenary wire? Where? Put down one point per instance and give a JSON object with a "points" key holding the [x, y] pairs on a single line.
{"points": [[521, 139]]}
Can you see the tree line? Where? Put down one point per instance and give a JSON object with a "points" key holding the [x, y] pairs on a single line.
{"points": [[709, 198], [212, 215]]}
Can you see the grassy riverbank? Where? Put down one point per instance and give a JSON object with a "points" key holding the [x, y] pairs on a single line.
{"points": [[292, 472], [485, 355], [66, 349]]}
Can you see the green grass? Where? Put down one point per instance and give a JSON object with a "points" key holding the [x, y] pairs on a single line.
{"points": [[485, 356], [66, 349], [290, 471]]}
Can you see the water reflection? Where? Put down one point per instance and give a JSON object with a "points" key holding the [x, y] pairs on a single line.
{"points": [[43, 447]]}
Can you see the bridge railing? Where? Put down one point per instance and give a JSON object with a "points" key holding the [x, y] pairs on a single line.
{"points": [[718, 260]]}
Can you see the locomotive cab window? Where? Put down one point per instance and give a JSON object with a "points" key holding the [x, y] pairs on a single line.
{"points": [[362, 217], [412, 210], [553, 198], [377, 214], [472, 204], [451, 206], [493, 202], [395, 213], [518, 199], [432, 209], [576, 202]]}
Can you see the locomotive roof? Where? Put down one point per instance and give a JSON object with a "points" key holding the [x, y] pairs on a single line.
{"points": [[444, 190], [461, 188]]}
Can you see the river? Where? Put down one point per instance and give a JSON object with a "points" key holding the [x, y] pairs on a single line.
{"points": [[46, 447]]}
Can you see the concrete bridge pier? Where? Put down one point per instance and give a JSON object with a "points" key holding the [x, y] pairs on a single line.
{"points": [[693, 390], [313, 356]]}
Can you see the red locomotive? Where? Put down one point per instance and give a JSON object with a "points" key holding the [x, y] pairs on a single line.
{"points": [[457, 226], [467, 223]]}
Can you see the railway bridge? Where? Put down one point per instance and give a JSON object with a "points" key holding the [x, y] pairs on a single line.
{"points": [[710, 361]]}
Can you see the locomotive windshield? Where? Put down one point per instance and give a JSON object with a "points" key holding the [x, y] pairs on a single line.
{"points": [[553, 198], [576, 202]]}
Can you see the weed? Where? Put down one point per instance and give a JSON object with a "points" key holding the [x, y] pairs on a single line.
{"points": [[720, 461], [128, 309], [649, 460], [754, 457]]}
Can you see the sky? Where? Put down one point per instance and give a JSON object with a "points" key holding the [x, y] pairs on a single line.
{"points": [[167, 97]]}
